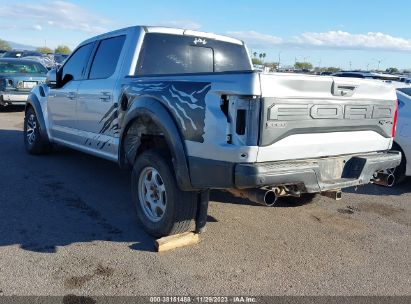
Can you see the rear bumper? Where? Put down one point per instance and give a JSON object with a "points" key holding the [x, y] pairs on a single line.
{"points": [[316, 175], [13, 98]]}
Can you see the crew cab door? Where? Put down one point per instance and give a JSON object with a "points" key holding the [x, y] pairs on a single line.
{"points": [[61, 102], [97, 100]]}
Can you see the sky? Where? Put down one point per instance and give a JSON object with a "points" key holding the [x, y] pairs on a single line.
{"points": [[348, 34]]}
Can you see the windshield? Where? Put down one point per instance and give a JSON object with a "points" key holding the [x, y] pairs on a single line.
{"points": [[7, 67], [177, 54]]}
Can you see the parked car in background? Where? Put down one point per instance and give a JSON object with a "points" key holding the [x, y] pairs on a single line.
{"points": [[47, 61], [363, 75], [2, 52], [405, 79], [60, 58], [17, 78], [403, 139], [57, 59], [21, 54]]}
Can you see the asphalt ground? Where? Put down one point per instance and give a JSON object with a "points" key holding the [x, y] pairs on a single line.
{"points": [[67, 226]]}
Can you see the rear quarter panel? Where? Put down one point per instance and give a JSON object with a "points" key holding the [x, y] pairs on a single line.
{"points": [[194, 103]]}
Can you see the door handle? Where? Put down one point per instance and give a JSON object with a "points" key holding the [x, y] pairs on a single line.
{"points": [[106, 96], [71, 95]]}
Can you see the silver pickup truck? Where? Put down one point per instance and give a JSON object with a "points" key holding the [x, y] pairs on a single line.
{"points": [[186, 112]]}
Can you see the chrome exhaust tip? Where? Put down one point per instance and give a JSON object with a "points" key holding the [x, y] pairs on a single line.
{"points": [[384, 179], [260, 196], [270, 198]]}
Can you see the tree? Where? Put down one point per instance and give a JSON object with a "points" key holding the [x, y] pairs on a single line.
{"points": [[256, 61], [62, 49], [332, 69], [272, 65], [392, 70], [44, 50], [255, 54], [4, 45], [303, 66], [262, 56]]}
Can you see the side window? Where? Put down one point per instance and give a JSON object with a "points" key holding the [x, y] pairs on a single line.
{"points": [[73, 68], [106, 58]]}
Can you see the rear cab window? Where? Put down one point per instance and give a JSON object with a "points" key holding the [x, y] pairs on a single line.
{"points": [[106, 58], [177, 54]]}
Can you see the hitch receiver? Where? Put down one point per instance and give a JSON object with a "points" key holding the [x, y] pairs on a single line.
{"points": [[334, 194]]}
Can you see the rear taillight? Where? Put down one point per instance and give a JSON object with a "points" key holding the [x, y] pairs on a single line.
{"points": [[394, 124]]}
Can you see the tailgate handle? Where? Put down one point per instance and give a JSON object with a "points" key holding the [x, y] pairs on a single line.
{"points": [[345, 90]]}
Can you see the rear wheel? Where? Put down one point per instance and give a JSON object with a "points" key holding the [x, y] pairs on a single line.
{"points": [[34, 142], [162, 208]]}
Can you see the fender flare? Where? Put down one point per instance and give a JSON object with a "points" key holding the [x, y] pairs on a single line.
{"points": [[152, 108], [34, 102]]}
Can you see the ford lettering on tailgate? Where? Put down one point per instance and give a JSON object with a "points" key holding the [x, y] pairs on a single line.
{"points": [[289, 112]]}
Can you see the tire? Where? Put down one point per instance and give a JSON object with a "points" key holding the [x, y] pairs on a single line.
{"points": [[163, 209], [399, 172], [34, 142]]}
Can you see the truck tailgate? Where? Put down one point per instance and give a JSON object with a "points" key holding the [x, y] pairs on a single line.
{"points": [[306, 116]]}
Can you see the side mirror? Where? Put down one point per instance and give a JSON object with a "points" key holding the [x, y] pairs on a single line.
{"points": [[51, 79]]}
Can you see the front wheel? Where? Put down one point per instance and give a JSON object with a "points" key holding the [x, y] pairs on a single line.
{"points": [[162, 208], [34, 142]]}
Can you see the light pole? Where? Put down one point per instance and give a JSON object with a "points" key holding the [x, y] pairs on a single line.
{"points": [[279, 60], [379, 61]]}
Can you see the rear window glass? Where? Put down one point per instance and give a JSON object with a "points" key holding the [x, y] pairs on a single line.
{"points": [[176, 54], [406, 91], [8, 67]]}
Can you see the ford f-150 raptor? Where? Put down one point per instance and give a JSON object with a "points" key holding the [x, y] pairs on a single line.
{"points": [[186, 112]]}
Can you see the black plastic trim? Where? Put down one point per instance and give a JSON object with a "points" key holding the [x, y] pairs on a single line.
{"points": [[359, 170], [208, 173], [309, 173], [193, 74], [33, 101], [147, 107]]}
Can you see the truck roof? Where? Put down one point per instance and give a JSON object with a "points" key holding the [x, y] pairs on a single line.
{"points": [[167, 30]]}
